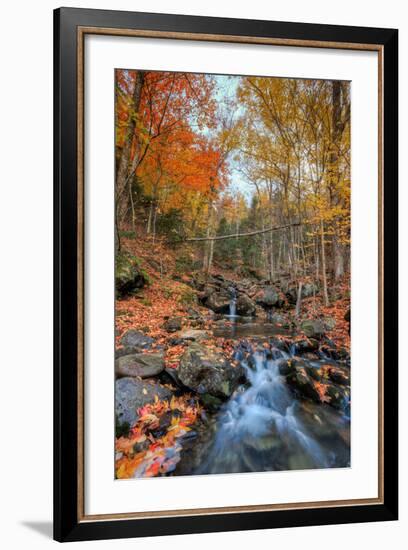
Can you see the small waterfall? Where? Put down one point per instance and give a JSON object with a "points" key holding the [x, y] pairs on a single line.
{"points": [[233, 302], [261, 427]]}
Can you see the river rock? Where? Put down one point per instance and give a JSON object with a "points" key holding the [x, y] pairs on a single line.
{"points": [[268, 297], [140, 364], [245, 306], [329, 323], [313, 328], [308, 290], [194, 335], [128, 275], [207, 372], [120, 352], [136, 340], [339, 376], [218, 301], [133, 393], [302, 384], [302, 346], [338, 396], [290, 365], [285, 366], [172, 325]]}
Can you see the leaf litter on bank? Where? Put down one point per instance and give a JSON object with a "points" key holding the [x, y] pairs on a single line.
{"points": [[154, 444]]}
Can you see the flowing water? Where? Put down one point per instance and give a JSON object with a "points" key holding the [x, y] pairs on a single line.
{"points": [[263, 427], [233, 303]]}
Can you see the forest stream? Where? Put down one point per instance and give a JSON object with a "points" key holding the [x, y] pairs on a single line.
{"points": [[263, 426]]}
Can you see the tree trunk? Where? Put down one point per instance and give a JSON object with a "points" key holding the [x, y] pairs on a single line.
{"points": [[338, 258], [324, 277], [271, 262], [122, 198], [299, 300], [336, 131]]}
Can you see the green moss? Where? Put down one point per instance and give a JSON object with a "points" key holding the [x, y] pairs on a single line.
{"points": [[187, 296], [129, 275]]}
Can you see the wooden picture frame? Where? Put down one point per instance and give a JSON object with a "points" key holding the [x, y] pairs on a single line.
{"points": [[70, 27]]}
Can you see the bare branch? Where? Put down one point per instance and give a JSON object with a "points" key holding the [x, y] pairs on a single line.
{"points": [[239, 235]]}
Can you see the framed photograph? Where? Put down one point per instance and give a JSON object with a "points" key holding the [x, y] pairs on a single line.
{"points": [[225, 274]]}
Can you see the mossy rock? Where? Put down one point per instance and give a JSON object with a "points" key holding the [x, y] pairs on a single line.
{"points": [[129, 276]]}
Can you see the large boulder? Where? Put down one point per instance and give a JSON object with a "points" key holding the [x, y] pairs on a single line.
{"points": [[245, 306], [136, 340], [207, 372], [133, 393], [268, 297], [129, 277], [140, 364], [308, 290], [313, 328], [218, 301]]}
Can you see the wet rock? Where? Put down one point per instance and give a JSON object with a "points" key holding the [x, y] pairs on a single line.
{"points": [[131, 394], [129, 277], [164, 423], [340, 354], [314, 372], [140, 364], [302, 384], [245, 306], [339, 376], [280, 343], [136, 340], [309, 356], [207, 372], [302, 346], [313, 328], [338, 396], [172, 325], [285, 366], [210, 402]]}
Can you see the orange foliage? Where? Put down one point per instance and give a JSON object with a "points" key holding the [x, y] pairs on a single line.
{"points": [[162, 454]]}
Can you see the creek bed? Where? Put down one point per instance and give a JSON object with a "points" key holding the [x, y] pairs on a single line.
{"points": [[264, 426]]}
